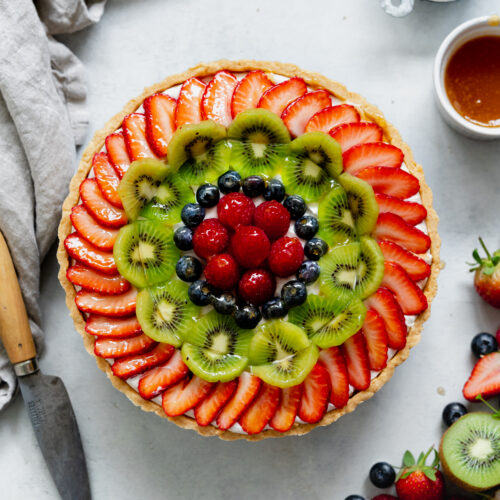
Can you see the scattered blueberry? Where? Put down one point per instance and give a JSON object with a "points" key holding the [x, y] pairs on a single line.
{"points": [[274, 308], [207, 195], [354, 497], [253, 186], [382, 475], [225, 303], [452, 412], [315, 248], [183, 238], [230, 182], [294, 293], [295, 205], [275, 190], [483, 343], [192, 214], [306, 227], [200, 292], [247, 316], [188, 268], [308, 272]]}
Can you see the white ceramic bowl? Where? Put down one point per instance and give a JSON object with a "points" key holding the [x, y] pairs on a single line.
{"points": [[480, 26]]}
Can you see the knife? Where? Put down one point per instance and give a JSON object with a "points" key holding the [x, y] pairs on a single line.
{"points": [[45, 396]]}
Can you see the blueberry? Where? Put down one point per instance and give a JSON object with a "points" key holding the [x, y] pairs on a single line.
{"points": [[382, 475], [188, 268], [230, 182], [225, 303], [306, 227], [452, 412], [354, 497], [294, 293], [200, 293], [253, 186], [308, 272], [295, 205], [275, 190], [315, 248], [183, 238], [274, 308], [192, 214], [207, 195], [247, 316], [483, 343]]}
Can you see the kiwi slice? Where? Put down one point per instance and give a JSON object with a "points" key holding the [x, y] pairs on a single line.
{"points": [[215, 348], [281, 354], [327, 321], [470, 452], [164, 311], [370, 268], [145, 253], [364, 207], [139, 185]]}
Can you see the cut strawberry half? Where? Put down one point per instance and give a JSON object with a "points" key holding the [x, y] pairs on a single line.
{"points": [[376, 340], [416, 267], [248, 91], [284, 418], [107, 179], [331, 117], [216, 102], [188, 108], [356, 358], [373, 154], [185, 395], [391, 181], [88, 228], [104, 326], [298, 113], [484, 379], [412, 213], [82, 251], [335, 365], [208, 409], [349, 135], [107, 305], [409, 296], [100, 208], [117, 152], [133, 365], [316, 391], [118, 348], [160, 122], [134, 133], [278, 97], [261, 410], [94, 281], [158, 379]]}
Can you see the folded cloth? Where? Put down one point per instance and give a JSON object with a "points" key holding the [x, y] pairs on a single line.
{"points": [[42, 118]]}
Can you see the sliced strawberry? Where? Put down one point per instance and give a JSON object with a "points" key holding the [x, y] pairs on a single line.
{"points": [[107, 179], [261, 409], [103, 326], [372, 154], [376, 340], [107, 305], [94, 281], [88, 228], [316, 391], [100, 208], [335, 365], [160, 122], [393, 228], [298, 113], [248, 91], [358, 365], [412, 213], [216, 102], [284, 417], [390, 181], [331, 117], [158, 379], [134, 133], [278, 97], [185, 395], [207, 410], [484, 379], [409, 296], [349, 135], [133, 365], [117, 152], [416, 267], [248, 387], [84, 252], [118, 348], [188, 109]]}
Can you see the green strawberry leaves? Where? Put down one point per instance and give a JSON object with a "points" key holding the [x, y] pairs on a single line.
{"points": [[410, 466], [488, 264]]}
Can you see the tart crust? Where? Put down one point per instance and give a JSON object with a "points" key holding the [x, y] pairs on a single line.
{"points": [[313, 80]]}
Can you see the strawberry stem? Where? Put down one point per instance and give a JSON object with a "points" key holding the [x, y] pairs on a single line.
{"points": [[496, 413], [484, 248]]}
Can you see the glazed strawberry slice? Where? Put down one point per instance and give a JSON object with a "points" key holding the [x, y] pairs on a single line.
{"points": [[393, 228], [288, 407], [248, 387], [207, 410], [372, 154], [88, 228], [185, 395], [391, 181], [104, 326], [133, 365], [349, 135], [376, 340], [100, 208], [412, 213], [278, 97], [216, 101], [261, 410], [248, 91], [484, 379], [188, 108], [158, 379], [298, 113], [316, 391], [408, 295], [134, 133], [384, 303], [107, 305], [416, 267], [118, 348], [117, 152], [160, 122], [107, 179], [94, 281], [356, 358], [331, 117], [82, 251], [335, 365]]}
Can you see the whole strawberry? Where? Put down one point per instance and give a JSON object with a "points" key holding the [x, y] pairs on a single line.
{"points": [[487, 277]]}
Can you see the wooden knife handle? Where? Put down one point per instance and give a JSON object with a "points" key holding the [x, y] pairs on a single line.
{"points": [[14, 325]]}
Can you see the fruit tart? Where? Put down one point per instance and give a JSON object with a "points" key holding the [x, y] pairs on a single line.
{"points": [[248, 250]]}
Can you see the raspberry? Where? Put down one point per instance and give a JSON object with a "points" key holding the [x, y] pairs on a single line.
{"points": [[250, 246], [273, 218], [222, 272], [286, 256], [235, 209], [256, 286], [210, 238]]}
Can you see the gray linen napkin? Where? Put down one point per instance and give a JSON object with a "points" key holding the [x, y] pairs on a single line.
{"points": [[42, 118]]}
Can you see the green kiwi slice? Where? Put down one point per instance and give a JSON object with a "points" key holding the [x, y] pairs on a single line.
{"points": [[328, 322], [164, 311], [470, 451], [370, 268], [145, 253]]}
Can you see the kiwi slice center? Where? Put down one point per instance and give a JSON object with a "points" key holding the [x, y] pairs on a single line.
{"points": [[167, 312], [481, 449], [144, 252], [258, 149], [145, 188], [220, 343], [198, 147], [345, 276], [312, 170], [168, 194]]}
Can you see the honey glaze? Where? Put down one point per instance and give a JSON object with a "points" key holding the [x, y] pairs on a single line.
{"points": [[472, 80]]}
